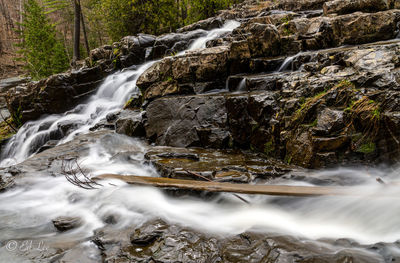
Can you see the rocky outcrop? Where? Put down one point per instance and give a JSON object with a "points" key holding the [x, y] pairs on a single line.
{"points": [[333, 110], [56, 94]]}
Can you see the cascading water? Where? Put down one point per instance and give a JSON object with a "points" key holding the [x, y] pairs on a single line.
{"points": [[362, 217], [110, 97], [201, 42]]}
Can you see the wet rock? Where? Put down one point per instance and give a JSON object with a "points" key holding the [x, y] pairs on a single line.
{"points": [[66, 126], [158, 241], [350, 6], [174, 155], [6, 84], [195, 66], [207, 24], [56, 94], [226, 166], [130, 123], [329, 121], [64, 223], [134, 103], [148, 234], [6, 182], [111, 117], [173, 121], [48, 145], [165, 88], [300, 5], [264, 40]]}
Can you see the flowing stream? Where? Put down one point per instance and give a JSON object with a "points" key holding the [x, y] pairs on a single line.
{"points": [[26, 211]]}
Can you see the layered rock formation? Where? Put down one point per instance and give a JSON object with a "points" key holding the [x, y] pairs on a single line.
{"points": [[332, 105]]}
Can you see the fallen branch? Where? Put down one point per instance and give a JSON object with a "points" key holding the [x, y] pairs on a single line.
{"points": [[278, 190], [8, 123]]}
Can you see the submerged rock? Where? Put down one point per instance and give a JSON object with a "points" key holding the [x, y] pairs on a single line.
{"points": [[64, 223]]}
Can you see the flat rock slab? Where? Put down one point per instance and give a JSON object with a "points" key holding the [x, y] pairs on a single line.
{"points": [[216, 165]]}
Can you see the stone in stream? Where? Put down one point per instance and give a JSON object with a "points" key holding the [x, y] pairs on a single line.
{"points": [[65, 223]]}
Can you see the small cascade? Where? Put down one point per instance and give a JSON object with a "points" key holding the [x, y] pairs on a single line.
{"points": [[213, 34], [242, 85], [286, 63]]}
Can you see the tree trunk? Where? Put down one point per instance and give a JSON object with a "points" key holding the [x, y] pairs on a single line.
{"points": [[77, 30], [277, 190], [84, 32], [85, 35]]}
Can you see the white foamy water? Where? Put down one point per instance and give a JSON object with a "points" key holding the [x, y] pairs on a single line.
{"points": [[213, 34], [110, 97], [368, 217]]}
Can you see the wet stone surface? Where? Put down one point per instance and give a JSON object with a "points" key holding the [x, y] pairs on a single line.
{"points": [[216, 165]]}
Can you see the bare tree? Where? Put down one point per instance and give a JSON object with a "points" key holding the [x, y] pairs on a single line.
{"points": [[77, 30], [84, 33]]}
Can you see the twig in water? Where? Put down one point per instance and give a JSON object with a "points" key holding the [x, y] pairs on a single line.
{"points": [[9, 124], [71, 174]]}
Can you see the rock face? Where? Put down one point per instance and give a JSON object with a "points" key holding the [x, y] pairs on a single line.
{"points": [[334, 107], [300, 84], [56, 94]]}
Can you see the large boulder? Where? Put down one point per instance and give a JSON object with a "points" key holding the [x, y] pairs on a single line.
{"points": [[169, 75], [180, 121]]}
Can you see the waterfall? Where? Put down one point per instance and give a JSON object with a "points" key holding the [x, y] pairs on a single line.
{"points": [[201, 42], [110, 97], [242, 85]]}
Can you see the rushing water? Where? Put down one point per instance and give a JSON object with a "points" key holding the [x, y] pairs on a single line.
{"points": [[368, 217], [201, 42], [26, 211], [110, 97]]}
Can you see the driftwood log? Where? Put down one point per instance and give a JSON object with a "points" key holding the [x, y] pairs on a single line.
{"points": [[278, 190]]}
